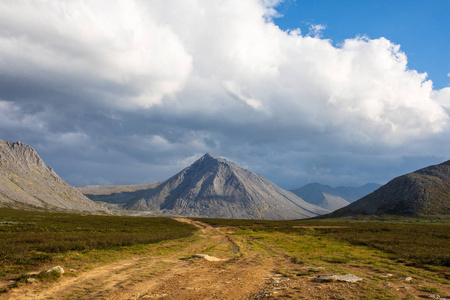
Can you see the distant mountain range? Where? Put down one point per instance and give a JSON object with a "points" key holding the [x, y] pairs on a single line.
{"points": [[425, 192], [27, 183], [210, 187], [215, 187], [331, 198]]}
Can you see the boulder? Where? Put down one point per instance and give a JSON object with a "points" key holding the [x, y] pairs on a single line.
{"points": [[344, 278], [57, 269], [407, 279]]}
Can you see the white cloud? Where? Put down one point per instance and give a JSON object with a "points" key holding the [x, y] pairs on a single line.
{"points": [[197, 75], [315, 30], [442, 97], [87, 45]]}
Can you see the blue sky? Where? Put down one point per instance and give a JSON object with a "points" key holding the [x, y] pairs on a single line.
{"points": [[133, 91], [421, 27]]}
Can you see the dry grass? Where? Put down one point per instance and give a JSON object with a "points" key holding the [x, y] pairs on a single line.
{"points": [[29, 239]]}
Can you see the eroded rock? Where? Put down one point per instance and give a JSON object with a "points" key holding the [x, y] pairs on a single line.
{"points": [[57, 269], [343, 278]]}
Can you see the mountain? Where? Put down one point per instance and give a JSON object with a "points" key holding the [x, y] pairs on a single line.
{"points": [[331, 198], [27, 183], [212, 187], [424, 192]]}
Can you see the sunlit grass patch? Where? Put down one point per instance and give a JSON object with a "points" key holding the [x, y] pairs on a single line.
{"points": [[31, 239], [418, 243]]}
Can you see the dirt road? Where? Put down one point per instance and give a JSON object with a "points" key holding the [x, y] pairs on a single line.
{"points": [[239, 267], [173, 276]]}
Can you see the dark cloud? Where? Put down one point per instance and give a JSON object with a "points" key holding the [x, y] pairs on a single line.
{"points": [[136, 93]]}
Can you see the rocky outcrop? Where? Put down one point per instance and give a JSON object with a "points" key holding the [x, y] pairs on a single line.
{"points": [[215, 187], [331, 198], [26, 182], [425, 192]]}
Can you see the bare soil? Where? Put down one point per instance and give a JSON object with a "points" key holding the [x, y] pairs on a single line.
{"points": [[242, 273]]}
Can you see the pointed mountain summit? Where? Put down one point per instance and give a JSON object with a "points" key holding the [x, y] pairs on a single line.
{"points": [[215, 187], [425, 192], [26, 182]]}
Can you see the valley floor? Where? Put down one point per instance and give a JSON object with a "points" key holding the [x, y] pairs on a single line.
{"points": [[251, 266]]}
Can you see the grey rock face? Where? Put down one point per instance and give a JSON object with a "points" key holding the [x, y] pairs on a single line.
{"points": [[213, 187], [26, 182], [331, 198], [421, 193]]}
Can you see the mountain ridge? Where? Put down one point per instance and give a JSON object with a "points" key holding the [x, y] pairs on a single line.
{"points": [[215, 187], [27, 183], [425, 192]]}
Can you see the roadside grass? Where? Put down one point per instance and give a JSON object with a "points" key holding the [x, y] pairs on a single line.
{"points": [[30, 239], [420, 244], [311, 248]]}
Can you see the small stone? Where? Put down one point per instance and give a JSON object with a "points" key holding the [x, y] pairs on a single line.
{"points": [[407, 279], [31, 280], [344, 278], [388, 275], [207, 257], [433, 296], [57, 269]]}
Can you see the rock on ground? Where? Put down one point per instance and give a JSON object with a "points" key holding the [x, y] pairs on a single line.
{"points": [[57, 269], [207, 257], [345, 278]]}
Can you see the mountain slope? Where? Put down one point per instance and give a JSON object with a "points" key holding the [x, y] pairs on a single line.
{"points": [[331, 198], [26, 182], [213, 187], [421, 193]]}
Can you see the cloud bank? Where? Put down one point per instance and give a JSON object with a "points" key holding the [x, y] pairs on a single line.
{"points": [[147, 86]]}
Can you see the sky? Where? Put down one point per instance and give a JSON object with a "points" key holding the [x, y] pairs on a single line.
{"points": [[129, 91]]}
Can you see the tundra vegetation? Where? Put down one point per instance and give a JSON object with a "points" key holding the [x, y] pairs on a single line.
{"points": [[29, 239], [299, 250], [418, 242]]}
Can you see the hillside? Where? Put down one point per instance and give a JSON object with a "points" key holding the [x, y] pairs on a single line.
{"points": [[213, 187], [333, 198], [424, 192], [26, 182]]}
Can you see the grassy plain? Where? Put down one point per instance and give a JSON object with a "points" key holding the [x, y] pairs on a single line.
{"points": [[125, 252], [29, 239], [412, 241], [383, 253]]}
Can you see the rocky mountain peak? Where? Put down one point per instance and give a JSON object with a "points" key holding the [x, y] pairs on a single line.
{"points": [[420, 193], [207, 165], [205, 160], [25, 181], [207, 156], [215, 187], [19, 155]]}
